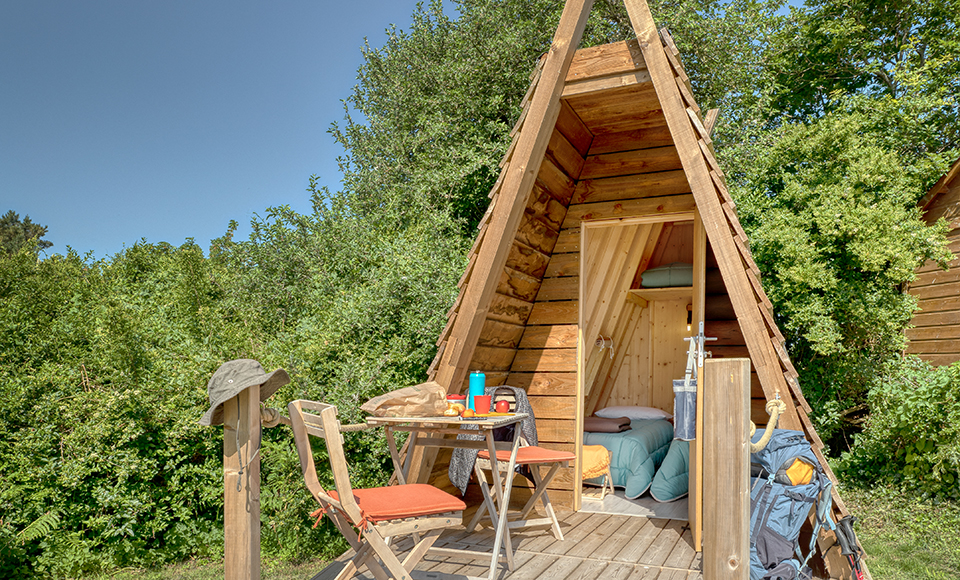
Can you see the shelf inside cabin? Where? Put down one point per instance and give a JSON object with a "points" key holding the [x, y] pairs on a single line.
{"points": [[670, 293]]}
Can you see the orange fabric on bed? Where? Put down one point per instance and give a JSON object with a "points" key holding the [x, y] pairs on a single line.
{"points": [[596, 461]]}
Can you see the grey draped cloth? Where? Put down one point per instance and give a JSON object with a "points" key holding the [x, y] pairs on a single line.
{"points": [[462, 460]]}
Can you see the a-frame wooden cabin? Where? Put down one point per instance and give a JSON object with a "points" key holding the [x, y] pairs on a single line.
{"points": [[935, 336], [611, 171]]}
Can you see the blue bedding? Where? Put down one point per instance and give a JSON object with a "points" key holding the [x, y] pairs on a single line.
{"points": [[636, 454]]}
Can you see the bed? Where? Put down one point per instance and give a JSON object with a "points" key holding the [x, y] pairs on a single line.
{"points": [[635, 455]]}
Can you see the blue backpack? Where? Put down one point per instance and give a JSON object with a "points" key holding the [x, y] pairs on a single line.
{"points": [[781, 501]]}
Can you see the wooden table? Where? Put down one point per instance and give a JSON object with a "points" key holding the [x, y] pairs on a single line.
{"points": [[442, 432]]}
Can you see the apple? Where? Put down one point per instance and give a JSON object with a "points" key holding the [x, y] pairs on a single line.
{"points": [[502, 406]]}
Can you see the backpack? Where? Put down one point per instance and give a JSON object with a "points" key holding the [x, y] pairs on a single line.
{"points": [[787, 482]]}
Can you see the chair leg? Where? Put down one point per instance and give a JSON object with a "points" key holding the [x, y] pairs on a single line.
{"points": [[489, 502], [389, 559], [420, 550], [541, 493], [364, 556]]}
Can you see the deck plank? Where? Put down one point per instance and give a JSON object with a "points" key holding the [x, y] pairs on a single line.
{"points": [[578, 534], [664, 543], [601, 534], [620, 538], [644, 573], [590, 570], [634, 549], [617, 571], [534, 567], [683, 553], [561, 568]]}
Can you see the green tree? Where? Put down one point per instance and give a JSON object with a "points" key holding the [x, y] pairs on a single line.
{"points": [[829, 49], [16, 234], [831, 210]]}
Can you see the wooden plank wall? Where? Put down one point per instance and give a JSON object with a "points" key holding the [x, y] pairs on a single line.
{"points": [[936, 333], [529, 337]]}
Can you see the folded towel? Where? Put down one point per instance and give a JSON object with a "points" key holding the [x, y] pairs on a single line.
{"points": [[604, 425]]}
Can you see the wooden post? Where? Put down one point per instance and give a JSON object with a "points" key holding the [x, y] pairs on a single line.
{"points": [[241, 490], [726, 465]]}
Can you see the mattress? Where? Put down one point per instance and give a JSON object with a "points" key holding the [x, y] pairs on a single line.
{"points": [[636, 454]]}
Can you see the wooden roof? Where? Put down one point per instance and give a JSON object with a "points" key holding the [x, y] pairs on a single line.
{"points": [[629, 90]]}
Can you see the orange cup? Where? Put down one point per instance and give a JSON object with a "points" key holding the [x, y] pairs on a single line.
{"points": [[481, 404]]}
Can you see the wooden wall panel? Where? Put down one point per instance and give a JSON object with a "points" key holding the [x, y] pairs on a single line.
{"points": [[518, 285], [631, 381], [630, 162], [500, 334], [563, 265], [565, 288], [565, 155], [675, 245], [608, 59], [545, 383], [669, 322], [634, 186], [550, 313], [550, 336], [658, 136], [545, 360], [536, 233], [628, 208], [576, 133]]}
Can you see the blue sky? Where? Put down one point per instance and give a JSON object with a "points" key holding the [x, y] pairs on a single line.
{"points": [[124, 120]]}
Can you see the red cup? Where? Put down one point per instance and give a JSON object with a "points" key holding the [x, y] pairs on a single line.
{"points": [[481, 404]]}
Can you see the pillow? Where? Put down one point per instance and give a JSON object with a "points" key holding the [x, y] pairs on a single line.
{"points": [[672, 479], [633, 413], [675, 274]]}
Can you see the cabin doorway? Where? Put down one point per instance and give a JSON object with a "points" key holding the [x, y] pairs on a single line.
{"points": [[631, 345]]}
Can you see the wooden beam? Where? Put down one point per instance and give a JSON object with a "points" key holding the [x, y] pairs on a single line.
{"points": [[710, 120], [596, 85], [726, 457], [241, 486]]}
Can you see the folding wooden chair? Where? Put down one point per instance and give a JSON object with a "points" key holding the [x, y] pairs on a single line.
{"points": [[533, 457], [379, 513]]}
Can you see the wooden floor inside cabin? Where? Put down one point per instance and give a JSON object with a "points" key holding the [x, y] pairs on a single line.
{"points": [[605, 546]]}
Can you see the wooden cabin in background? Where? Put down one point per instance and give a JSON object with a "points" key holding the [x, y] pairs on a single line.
{"points": [[611, 172], [935, 336]]}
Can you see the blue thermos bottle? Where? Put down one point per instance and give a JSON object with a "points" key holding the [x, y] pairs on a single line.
{"points": [[478, 384]]}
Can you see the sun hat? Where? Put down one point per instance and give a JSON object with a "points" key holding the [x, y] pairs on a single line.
{"points": [[232, 378]]}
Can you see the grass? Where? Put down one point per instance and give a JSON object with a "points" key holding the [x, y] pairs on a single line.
{"points": [[210, 570], [905, 537]]}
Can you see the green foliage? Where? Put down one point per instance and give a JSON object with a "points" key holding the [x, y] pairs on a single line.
{"points": [[835, 48], [912, 436], [830, 208], [16, 234]]}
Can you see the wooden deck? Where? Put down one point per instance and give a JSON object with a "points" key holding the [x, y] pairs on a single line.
{"points": [[594, 546]]}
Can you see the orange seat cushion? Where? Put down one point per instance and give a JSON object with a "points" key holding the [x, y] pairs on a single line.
{"points": [[403, 501], [531, 454]]}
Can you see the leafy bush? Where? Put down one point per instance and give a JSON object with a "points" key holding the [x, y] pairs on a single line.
{"points": [[912, 436]]}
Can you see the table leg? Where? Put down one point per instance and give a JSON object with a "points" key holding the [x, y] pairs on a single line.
{"points": [[395, 455], [411, 448], [503, 498]]}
